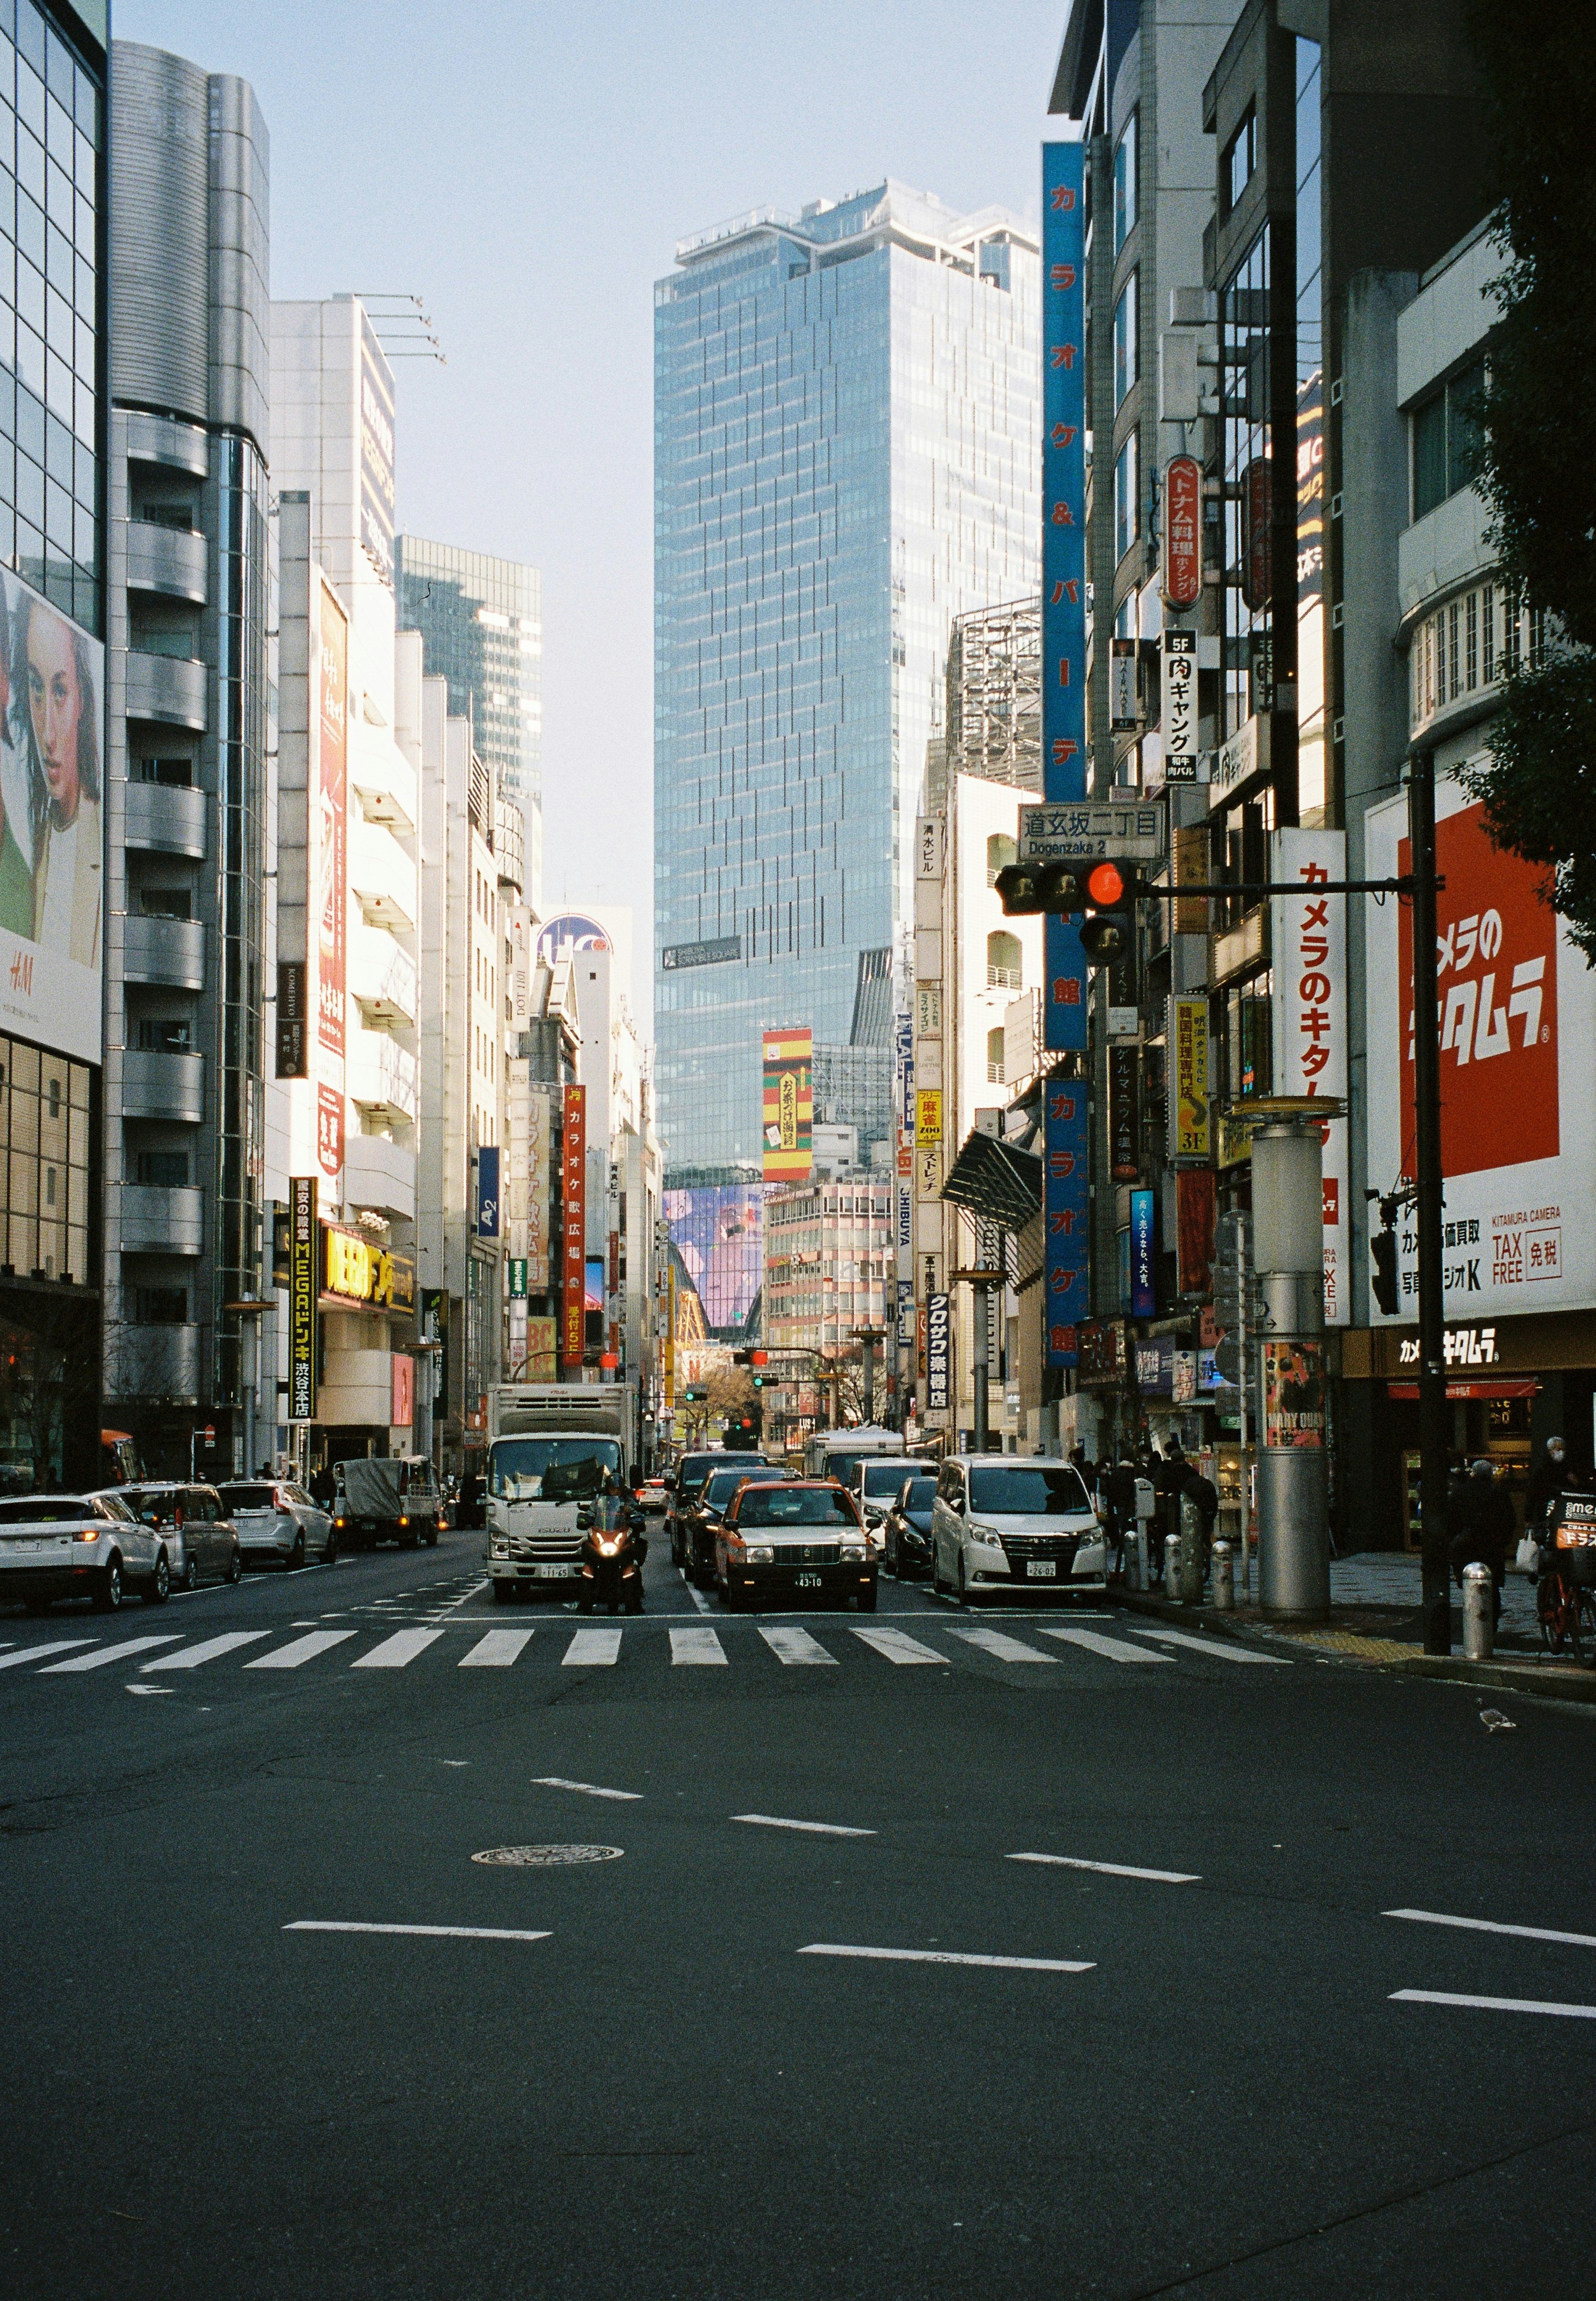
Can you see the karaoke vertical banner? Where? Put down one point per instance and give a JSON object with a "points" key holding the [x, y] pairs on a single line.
{"points": [[1064, 1207], [1064, 555]]}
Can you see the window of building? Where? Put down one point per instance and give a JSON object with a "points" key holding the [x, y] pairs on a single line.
{"points": [[994, 1057], [1001, 852], [1003, 962], [1446, 440], [1127, 505], [1241, 158], [1124, 184], [1125, 341], [161, 1306], [164, 1170]]}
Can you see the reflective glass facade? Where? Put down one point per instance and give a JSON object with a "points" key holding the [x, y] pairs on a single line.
{"points": [[846, 457]]}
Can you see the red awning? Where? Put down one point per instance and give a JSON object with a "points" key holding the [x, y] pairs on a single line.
{"points": [[1523, 1385]]}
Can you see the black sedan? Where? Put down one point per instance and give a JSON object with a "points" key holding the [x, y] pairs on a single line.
{"points": [[907, 1528], [702, 1523]]}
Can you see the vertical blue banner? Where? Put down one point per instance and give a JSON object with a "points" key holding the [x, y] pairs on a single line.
{"points": [[1065, 1209], [1064, 555], [487, 1191], [1144, 1299]]}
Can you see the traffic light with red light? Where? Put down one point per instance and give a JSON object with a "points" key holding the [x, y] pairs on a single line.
{"points": [[1105, 893]]}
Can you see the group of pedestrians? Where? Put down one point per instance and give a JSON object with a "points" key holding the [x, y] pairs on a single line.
{"points": [[1480, 1524], [1171, 1477]]}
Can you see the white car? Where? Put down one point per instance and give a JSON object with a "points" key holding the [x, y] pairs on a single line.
{"points": [[78, 1546], [876, 1485], [278, 1520], [1011, 1522]]}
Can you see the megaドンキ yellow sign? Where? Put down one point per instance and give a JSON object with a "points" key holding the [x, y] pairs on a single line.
{"points": [[788, 1106]]}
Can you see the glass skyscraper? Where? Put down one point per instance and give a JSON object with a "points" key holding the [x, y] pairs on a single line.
{"points": [[481, 625], [847, 456]]}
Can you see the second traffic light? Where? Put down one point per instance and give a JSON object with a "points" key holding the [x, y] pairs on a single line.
{"points": [[1106, 892]]}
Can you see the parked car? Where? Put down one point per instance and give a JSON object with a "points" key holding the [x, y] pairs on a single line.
{"points": [[906, 1527], [387, 1498], [687, 1482], [278, 1520], [78, 1546], [798, 1542], [875, 1484], [1006, 1520], [202, 1542], [705, 1518], [652, 1496]]}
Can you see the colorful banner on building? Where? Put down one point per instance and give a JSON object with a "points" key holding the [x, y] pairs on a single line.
{"points": [[573, 1219], [1191, 1108], [302, 1298], [332, 821], [403, 1391], [538, 1147], [718, 1233], [939, 1354], [1183, 531], [928, 1114], [1144, 1292], [1064, 555], [788, 1105], [540, 1351], [488, 1202], [1124, 1110], [1065, 1225], [1309, 938], [1517, 1020], [330, 1131]]}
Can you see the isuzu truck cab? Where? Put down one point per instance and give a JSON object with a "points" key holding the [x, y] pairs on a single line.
{"points": [[549, 1447]]}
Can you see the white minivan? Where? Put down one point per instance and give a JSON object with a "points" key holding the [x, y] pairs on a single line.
{"points": [[1013, 1522]]}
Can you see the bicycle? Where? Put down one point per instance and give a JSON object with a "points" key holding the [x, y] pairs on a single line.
{"points": [[1566, 1607]]}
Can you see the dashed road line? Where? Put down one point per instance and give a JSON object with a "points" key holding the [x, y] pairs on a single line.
{"points": [[1491, 2004], [814, 1829], [441, 1933], [587, 1789], [1489, 1926], [1111, 1868], [948, 1957]]}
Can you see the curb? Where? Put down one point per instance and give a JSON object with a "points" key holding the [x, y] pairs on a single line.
{"points": [[1551, 1681]]}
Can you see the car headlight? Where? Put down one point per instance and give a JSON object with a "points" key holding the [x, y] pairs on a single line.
{"points": [[988, 1534], [758, 1553], [854, 1551], [501, 1548]]}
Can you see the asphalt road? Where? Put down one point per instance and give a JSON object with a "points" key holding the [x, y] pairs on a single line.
{"points": [[652, 2076]]}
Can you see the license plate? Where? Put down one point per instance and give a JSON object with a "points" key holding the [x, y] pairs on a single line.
{"points": [[554, 1573], [807, 1581], [1042, 1569]]}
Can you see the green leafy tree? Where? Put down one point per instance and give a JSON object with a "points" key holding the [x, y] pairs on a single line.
{"points": [[1537, 469]]}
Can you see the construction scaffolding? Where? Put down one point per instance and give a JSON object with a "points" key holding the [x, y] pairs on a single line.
{"points": [[994, 697]]}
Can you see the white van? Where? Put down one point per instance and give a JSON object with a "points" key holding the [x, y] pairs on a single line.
{"points": [[1015, 1522]]}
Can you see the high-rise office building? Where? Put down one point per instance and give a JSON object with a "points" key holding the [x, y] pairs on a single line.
{"points": [[481, 625], [53, 915], [186, 793], [847, 456]]}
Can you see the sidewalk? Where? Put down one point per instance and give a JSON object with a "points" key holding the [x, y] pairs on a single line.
{"points": [[1374, 1620]]}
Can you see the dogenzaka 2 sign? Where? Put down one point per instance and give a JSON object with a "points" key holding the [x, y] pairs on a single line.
{"points": [[1088, 830]]}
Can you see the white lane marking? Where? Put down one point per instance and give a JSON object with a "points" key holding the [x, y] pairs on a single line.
{"points": [[1492, 2005], [299, 1649], [593, 1649], [103, 1660], [587, 1789], [700, 1602], [947, 1957], [696, 1646], [152, 1689], [1111, 1649], [995, 1641], [1111, 1868], [496, 1650], [898, 1646], [446, 1933], [398, 1652], [1488, 1926], [796, 1646], [1209, 1646], [32, 1654], [207, 1650], [817, 1828]]}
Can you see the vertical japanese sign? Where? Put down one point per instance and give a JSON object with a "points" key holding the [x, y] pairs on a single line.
{"points": [[1124, 1110], [1064, 1209], [788, 1110], [435, 1329], [302, 1298], [537, 1144], [1191, 1110], [1064, 557], [574, 1172], [1179, 716], [1309, 942], [1144, 1299], [487, 1191], [938, 1354], [1183, 531]]}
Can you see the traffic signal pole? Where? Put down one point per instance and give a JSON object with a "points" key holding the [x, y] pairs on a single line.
{"points": [[1437, 1615]]}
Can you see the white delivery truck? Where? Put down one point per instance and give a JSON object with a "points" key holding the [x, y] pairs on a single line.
{"points": [[549, 1446], [868, 1460]]}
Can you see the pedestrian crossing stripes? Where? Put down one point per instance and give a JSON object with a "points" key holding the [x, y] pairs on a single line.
{"points": [[694, 1646]]}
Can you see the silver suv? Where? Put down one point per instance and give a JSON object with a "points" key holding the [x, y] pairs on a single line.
{"points": [[78, 1546], [278, 1520]]}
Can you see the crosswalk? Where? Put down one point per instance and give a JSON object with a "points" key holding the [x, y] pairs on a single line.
{"points": [[459, 1643]]}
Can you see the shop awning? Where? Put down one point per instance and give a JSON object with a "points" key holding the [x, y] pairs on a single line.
{"points": [[996, 1180], [1506, 1386]]}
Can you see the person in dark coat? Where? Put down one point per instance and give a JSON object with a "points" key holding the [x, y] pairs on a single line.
{"points": [[1547, 1479], [1119, 1491], [1483, 1528], [322, 1487]]}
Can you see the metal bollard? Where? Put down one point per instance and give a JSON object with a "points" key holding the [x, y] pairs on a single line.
{"points": [[1190, 1552], [1224, 1578], [1172, 1566], [1479, 1613], [1144, 1578]]}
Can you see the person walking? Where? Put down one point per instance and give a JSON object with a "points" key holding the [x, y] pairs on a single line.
{"points": [[1547, 1480], [1119, 1491], [1483, 1522]]}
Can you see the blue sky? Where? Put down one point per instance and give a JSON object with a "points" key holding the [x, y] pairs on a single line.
{"points": [[528, 171]]}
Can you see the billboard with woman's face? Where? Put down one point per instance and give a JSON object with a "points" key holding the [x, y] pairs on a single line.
{"points": [[52, 848]]}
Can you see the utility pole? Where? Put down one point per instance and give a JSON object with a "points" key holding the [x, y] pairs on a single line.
{"points": [[1427, 1211]]}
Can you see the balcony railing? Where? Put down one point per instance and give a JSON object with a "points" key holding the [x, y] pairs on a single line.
{"points": [[165, 819], [160, 1085], [168, 951], [172, 689], [157, 1219], [170, 561]]}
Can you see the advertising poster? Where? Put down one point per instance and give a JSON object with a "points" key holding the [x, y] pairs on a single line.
{"points": [[593, 1284], [1309, 943], [51, 824], [1190, 1109], [540, 1351], [1064, 555], [1144, 1300], [928, 1114], [717, 1233], [332, 822], [403, 1391], [1293, 1393], [1065, 1227], [1517, 1021], [377, 491], [1196, 1199], [788, 1105], [573, 1168], [303, 1277], [939, 1346]]}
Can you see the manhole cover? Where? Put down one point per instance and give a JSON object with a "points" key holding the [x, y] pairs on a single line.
{"points": [[547, 1857]]}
